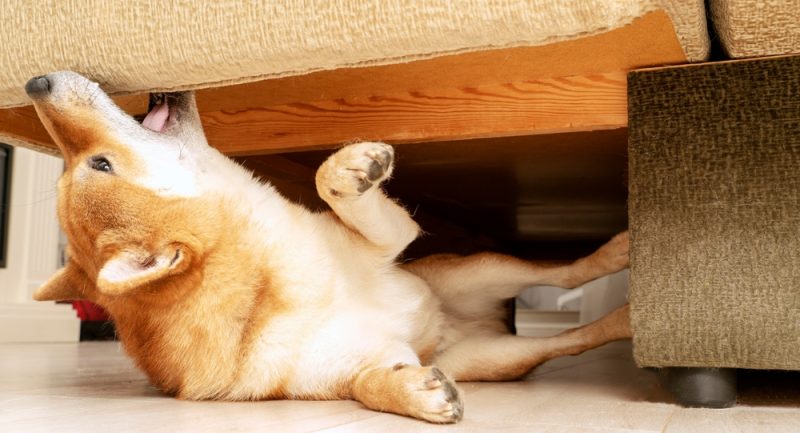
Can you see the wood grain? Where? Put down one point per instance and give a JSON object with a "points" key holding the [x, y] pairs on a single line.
{"points": [[579, 103], [527, 107]]}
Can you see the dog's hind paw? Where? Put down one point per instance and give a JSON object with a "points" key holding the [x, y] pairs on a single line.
{"points": [[613, 255], [355, 169]]}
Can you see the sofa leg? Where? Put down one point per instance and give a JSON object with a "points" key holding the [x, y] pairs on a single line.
{"points": [[702, 387]]}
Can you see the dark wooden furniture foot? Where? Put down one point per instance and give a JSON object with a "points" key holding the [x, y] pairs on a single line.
{"points": [[702, 387]]}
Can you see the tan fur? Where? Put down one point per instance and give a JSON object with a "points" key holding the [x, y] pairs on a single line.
{"points": [[222, 289], [421, 392]]}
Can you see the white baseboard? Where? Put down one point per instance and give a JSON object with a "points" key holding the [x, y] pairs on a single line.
{"points": [[38, 323], [537, 323]]}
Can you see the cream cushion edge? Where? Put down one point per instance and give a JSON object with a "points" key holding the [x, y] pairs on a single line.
{"points": [[749, 28], [138, 45]]}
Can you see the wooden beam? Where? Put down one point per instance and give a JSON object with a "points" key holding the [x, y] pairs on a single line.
{"points": [[21, 126], [519, 108], [551, 105], [576, 85]]}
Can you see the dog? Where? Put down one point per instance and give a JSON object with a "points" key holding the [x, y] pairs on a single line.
{"points": [[221, 288]]}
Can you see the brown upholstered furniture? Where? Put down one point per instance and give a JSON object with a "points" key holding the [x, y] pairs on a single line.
{"points": [[715, 206]]}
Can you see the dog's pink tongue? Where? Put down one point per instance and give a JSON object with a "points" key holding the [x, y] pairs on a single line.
{"points": [[156, 119]]}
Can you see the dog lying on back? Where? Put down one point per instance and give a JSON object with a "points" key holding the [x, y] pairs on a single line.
{"points": [[222, 289]]}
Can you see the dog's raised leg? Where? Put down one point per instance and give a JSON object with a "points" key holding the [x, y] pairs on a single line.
{"points": [[349, 182], [475, 285], [421, 392], [493, 357]]}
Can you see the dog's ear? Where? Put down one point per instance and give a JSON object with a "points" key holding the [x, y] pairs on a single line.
{"points": [[68, 284], [130, 269]]}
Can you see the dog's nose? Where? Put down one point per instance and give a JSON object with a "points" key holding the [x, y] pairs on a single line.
{"points": [[37, 86]]}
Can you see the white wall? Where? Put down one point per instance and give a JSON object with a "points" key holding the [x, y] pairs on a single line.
{"points": [[33, 253]]}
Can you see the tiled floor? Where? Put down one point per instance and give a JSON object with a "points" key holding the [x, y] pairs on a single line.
{"points": [[92, 387]]}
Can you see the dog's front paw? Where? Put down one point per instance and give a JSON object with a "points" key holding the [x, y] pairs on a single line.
{"points": [[411, 390], [437, 399], [355, 169]]}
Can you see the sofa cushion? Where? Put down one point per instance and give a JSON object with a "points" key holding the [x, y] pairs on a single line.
{"points": [[749, 28], [139, 45]]}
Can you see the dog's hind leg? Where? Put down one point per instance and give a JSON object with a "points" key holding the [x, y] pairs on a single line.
{"points": [[501, 357], [476, 285], [349, 182]]}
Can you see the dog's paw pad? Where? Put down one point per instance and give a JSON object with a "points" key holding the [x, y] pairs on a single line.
{"points": [[381, 158], [355, 169], [362, 179], [439, 399]]}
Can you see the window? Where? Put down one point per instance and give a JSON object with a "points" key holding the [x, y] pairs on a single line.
{"points": [[5, 192]]}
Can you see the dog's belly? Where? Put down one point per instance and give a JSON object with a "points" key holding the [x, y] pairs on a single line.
{"points": [[344, 344], [314, 351]]}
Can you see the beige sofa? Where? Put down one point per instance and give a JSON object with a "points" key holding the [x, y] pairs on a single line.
{"points": [[269, 62], [748, 28]]}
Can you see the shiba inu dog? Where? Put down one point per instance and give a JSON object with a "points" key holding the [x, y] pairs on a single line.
{"points": [[222, 289]]}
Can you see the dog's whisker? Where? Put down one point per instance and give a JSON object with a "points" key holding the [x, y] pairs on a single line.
{"points": [[95, 94]]}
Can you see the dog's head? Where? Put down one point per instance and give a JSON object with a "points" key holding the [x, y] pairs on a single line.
{"points": [[127, 196]]}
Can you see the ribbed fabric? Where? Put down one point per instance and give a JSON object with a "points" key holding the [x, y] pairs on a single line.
{"points": [[138, 45], [750, 28], [714, 214]]}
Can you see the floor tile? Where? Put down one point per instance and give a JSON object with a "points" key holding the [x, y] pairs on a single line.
{"points": [[94, 387]]}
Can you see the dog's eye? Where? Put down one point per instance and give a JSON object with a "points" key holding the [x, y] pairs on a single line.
{"points": [[99, 163]]}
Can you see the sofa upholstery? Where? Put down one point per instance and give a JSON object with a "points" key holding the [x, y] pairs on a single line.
{"points": [[138, 46], [714, 214], [748, 28]]}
